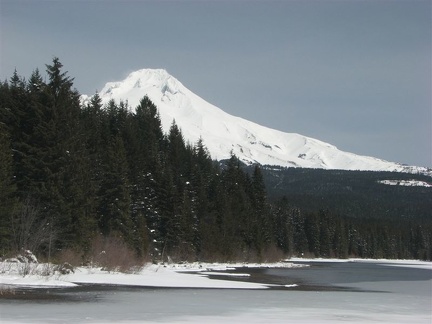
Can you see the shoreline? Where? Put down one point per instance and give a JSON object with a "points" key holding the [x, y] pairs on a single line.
{"points": [[186, 275]]}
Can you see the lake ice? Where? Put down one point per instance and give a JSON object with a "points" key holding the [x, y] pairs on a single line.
{"points": [[324, 292]]}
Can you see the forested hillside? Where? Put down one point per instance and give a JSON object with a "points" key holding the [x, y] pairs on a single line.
{"points": [[359, 194], [71, 173]]}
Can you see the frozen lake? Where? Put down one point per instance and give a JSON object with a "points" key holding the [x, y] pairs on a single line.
{"points": [[325, 292]]}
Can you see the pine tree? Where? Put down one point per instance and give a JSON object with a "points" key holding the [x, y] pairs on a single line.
{"points": [[13, 116], [219, 226], [176, 154], [202, 173], [300, 235], [283, 226], [261, 218], [7, 189], [236, 183], [144, 140], [55, 150], [114, 205]]}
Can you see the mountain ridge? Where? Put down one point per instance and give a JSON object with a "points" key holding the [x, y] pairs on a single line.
{"points": [[224, 134]]}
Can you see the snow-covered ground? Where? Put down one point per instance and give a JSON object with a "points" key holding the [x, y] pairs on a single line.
{"points": [[395, 263], [187, 275]]}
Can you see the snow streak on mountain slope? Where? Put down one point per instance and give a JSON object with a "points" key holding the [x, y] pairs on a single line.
{"points": [[223, 133]]}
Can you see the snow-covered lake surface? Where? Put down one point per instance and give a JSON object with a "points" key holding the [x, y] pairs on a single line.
{"points": [[323, 292]]}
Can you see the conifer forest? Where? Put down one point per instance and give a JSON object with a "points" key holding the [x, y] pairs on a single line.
{"points": [[71, 173]]}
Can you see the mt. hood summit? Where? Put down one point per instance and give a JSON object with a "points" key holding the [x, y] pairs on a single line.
{"points": [[222, 133]]}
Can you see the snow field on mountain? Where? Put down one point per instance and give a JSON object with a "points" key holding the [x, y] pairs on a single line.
{"points": [[406, 183], [224, 134]]}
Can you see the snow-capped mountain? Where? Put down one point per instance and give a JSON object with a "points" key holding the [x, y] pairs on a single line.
{"points": [[223, 133]]}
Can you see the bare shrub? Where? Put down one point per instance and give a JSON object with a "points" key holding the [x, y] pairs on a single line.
{"points": [[244, 254], [272, 254], [26, 268], [47, 270], [212, 256], [30, 229], [7, 267], [268, 254], [113, 254], [71, 256], [64, 269], [185, 252]]}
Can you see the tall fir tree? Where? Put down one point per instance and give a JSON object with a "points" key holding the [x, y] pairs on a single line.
{"points": [[7, 189], [114, 204]]}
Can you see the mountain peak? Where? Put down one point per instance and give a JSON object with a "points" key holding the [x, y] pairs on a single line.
{"points": [[156, 76], [143, 79], [224, 134]]}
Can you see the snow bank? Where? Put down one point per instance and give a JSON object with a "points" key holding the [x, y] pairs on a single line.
{"points": [[156, 276], [200, 266], [395, 263], [34, 282], [31, 275], [188, 275]]}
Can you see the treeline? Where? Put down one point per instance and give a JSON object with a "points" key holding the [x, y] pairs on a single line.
{"points": [[328, 234], [84, 171], [71, 173]]}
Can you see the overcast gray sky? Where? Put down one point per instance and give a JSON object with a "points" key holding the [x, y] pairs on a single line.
{"points": [[356, 74]]}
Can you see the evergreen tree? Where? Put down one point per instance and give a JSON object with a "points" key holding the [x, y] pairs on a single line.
{"points": [[261, 223], [283, 229], [13, 116], [7, 189], [300, 237], [114, 207], [59, 148], [236, 183], [176, 155]]}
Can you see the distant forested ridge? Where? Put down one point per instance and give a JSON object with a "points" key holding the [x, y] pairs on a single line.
{"points": [[70, 173], [359, 194]]}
